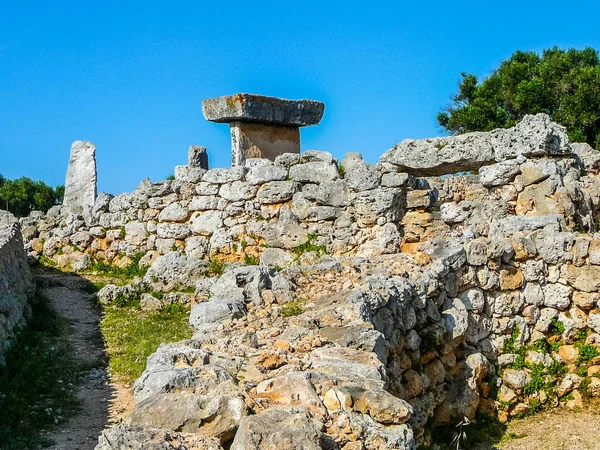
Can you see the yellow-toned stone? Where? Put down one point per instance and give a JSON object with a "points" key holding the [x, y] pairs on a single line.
{"points": [[511, 278]]}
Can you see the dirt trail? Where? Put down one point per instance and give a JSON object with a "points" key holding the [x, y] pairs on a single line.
{"points": [[559, 429], [101, 401]]}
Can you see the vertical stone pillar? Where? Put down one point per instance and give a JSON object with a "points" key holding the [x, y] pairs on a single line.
{"points": [[80, 184]]}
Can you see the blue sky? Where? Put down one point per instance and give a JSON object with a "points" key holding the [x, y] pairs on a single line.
{"points": [[130, 76]]}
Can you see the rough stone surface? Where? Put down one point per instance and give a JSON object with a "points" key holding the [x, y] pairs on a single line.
{"points": [[80, 185], [258, 108], [533, 136]]}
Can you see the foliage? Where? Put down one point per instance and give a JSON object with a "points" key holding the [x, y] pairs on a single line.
{"points": [[537, 380], [310, 246], [587, 352], [293, 308], [562, 83], [170, 177], [251, 260], [132, 336], [215, 267], [556, 327], [131, 270], [36, 385], [24, 195]]}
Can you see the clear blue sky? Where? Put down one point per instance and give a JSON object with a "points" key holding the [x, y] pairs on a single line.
{"points": [[130, 76]]}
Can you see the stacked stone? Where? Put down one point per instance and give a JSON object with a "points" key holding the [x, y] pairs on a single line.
{"points": [[16, 283], [276, 204]]}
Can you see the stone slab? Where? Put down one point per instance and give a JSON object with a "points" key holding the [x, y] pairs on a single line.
{"points": [[80, 184], [262, 109]]}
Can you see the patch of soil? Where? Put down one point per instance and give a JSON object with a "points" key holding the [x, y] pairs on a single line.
{"points": [[558, 429]]}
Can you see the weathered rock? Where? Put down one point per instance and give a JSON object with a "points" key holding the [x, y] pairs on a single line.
{"points": [[258, 108], [124, 436], [174, 270], [216, 310], [80, 185], [197, 157], [278, 428], [217, 416], [293, 389], [533, 136]]}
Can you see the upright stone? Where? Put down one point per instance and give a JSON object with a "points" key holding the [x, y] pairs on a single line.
{"points": [[80, 185], [197, 157], [262, 127]]}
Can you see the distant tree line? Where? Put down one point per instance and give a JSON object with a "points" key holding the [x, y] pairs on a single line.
{"points": [[562, 83], [24, 195]]}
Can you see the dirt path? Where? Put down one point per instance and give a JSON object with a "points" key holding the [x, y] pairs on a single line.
{"points": [[101, 401], [558, 429]]}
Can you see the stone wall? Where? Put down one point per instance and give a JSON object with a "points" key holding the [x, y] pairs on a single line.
{"points": [[233, 212], [441, 297], [16, 283]]}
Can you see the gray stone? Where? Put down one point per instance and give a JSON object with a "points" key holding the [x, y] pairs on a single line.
{"points": [[220, 176], [197, 157], [216, 416], [588, 156], [238, 191], [499, 173], [360, 175], [276, 192], [189, 174], [535, 135], [278, 428], [174, 270], [173, 230], [80, 184], [125, 436], [175, 212], [557, 296], [314, 172], [206, 222], [276, 257], [216, 310], [265, 173], [258, 108]]}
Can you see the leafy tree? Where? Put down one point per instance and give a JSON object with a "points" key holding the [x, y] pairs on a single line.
{"points": [[562, 83], [25, 195]]}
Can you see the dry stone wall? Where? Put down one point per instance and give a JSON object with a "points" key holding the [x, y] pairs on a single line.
{"points": [[441, 297], [16, 283]]}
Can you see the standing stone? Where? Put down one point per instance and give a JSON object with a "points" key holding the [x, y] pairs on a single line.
{"points": [[80, 185], [197, 157], [262, 127]]}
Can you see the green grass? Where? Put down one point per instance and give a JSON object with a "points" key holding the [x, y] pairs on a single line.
{"points": [[293, 308], [131, 336], [310, 246], [130, 271], [215, 267], [37, 383], [251, 260]]}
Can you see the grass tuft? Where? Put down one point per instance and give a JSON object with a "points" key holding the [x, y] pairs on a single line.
{"points": [[131, 336]]}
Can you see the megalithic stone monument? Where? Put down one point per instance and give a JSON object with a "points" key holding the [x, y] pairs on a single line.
{"points": [[80, 185], [262, 127]]}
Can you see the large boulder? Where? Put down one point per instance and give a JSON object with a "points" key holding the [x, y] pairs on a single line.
{"points": [[535, 135]]}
